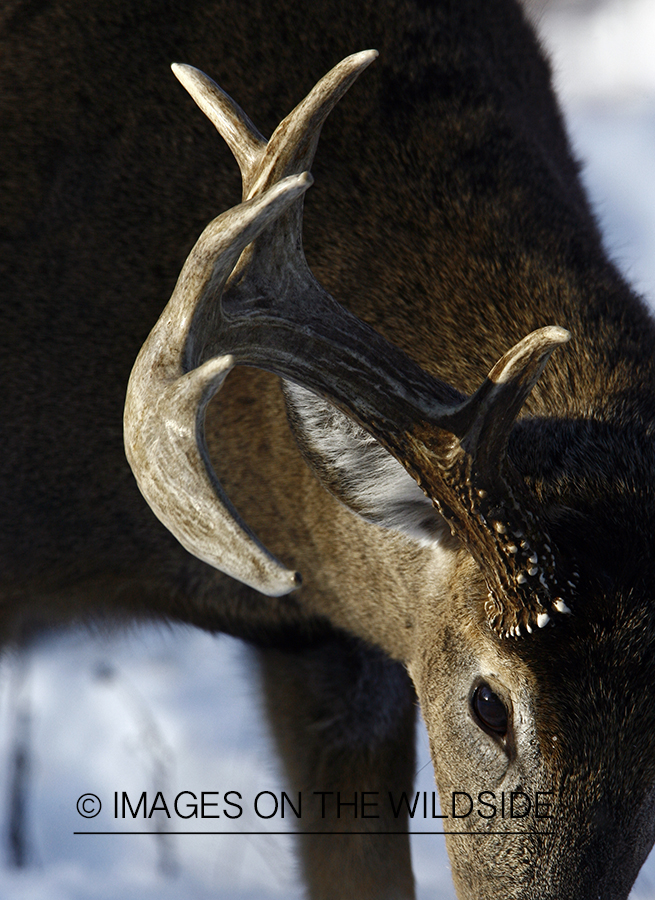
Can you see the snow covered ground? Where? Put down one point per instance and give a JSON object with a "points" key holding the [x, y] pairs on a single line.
{"points": [[604, 62], [175, 709]]}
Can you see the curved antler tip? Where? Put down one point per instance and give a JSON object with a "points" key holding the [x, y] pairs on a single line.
{"points": [[180, 69], [284, 193], [357, 62], [527, 359], [304, 179], [555, 334], [188, 76], [279, 583], [542, 339], [366, 56]]}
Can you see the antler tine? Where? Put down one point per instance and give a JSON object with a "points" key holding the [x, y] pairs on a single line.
{"points": [[483, 424], [292, 147], [227, 117], [167, 398], [475, 487]]}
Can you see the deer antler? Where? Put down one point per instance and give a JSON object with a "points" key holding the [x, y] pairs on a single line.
{"points": [[267, 310], [168, 393]]}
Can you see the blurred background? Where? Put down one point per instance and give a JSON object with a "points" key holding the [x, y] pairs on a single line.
{"points": [[173, 709]]}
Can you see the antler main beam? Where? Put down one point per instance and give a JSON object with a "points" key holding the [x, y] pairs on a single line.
{"points": [[246, 296]]}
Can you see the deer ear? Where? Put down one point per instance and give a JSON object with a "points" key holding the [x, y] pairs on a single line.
{"points": [[358, 471]]}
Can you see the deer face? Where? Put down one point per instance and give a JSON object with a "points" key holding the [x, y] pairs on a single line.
{"points": [[551, 738], [542, 744]]}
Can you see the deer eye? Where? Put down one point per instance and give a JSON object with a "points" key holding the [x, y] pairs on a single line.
{"points": [[489, 710]]}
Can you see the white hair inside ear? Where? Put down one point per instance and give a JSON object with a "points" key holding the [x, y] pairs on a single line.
{"points": [[357, 470]]}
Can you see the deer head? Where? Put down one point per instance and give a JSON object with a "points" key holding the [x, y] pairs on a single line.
{"points": [[246, 297]]}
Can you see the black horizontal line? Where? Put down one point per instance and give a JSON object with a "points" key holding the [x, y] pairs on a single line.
{"points": [[483, 833]]}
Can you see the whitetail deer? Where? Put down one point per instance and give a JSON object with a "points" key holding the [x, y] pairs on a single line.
{"points": [[447, 216]]}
